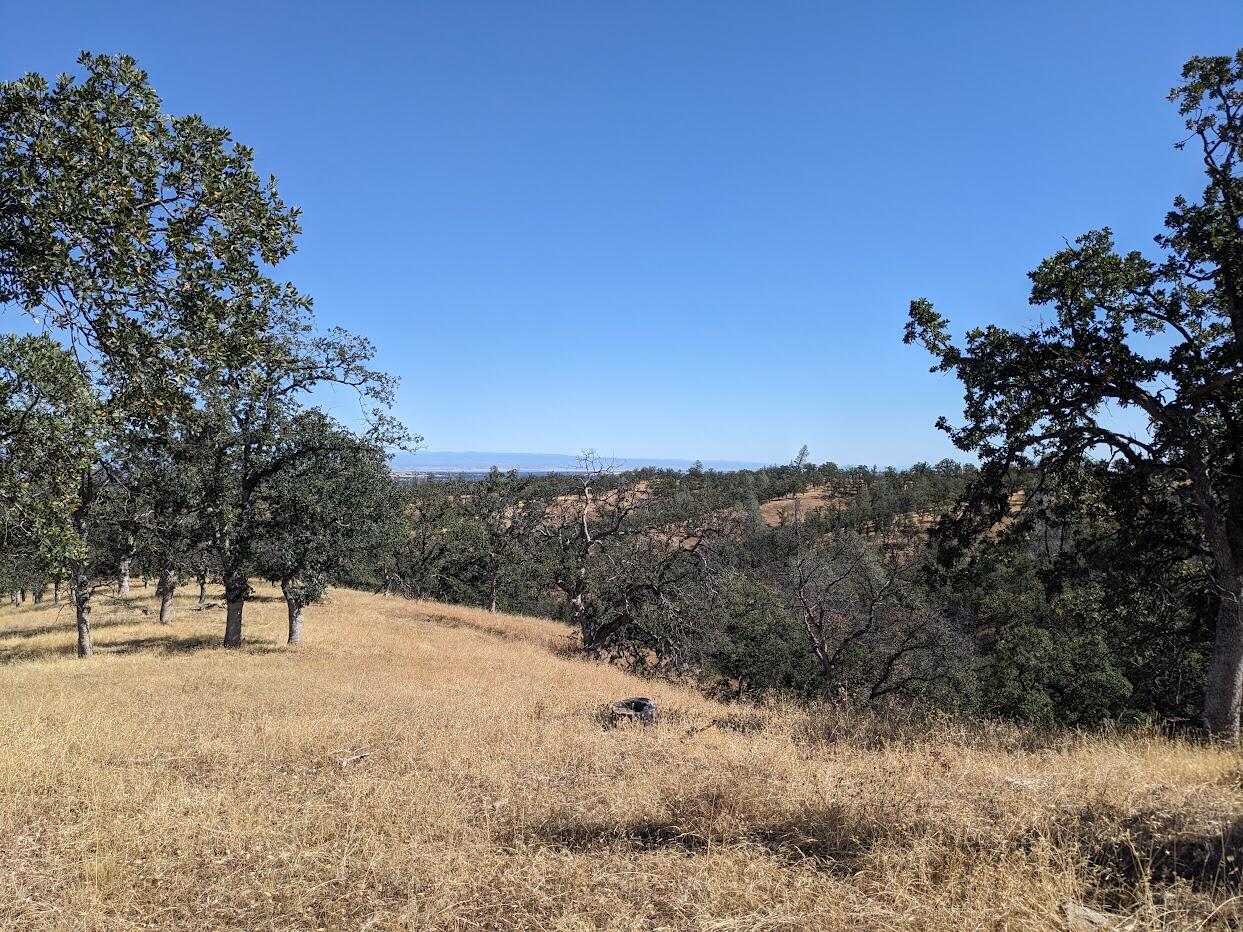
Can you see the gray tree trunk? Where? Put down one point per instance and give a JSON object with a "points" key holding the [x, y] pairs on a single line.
{"points": [[1223, 696], [236, 588], [165, 588], [202, 588], [233, 623], [56, 592], [1223, 690], [123, 578], [294, 606], [36, 594], [82, 616]]}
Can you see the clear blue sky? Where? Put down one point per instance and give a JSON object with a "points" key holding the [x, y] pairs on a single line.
{"points": [[673, 229]]}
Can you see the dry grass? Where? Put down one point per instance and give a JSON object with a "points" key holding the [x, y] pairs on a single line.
{"points": [[170, 784], [778, 511]]}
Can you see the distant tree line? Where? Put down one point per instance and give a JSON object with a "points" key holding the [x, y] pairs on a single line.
{"points": [[1074, 608]]}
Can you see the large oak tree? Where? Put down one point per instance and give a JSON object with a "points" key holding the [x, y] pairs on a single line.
{"points": [[1160, 336]]}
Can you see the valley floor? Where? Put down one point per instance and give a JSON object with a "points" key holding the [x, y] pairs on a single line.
{"points": [[168, 783]]}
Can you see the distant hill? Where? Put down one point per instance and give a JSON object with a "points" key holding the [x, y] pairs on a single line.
{"points": [[442, 462]]}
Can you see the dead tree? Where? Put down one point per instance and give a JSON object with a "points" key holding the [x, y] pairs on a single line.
{"points": [[866, 623]]}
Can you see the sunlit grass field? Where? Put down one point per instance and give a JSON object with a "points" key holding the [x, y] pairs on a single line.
{"points": [[168, 783]]}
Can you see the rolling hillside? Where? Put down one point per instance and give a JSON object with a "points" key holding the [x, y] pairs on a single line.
{"points": [[420, 766]]}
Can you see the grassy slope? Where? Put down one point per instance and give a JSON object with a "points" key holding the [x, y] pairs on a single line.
{"points": [[169, 784]]}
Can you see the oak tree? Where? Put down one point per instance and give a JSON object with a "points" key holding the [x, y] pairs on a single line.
{"points": [[1161, 337]]}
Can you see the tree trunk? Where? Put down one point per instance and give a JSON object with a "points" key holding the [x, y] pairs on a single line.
{"points": [[56, 592], [165, 588], [235, 592], [294, 606], [583, 623], [21, 596], [82, 615], [202, 588], [233, 624], [123, 578], [494, 587], [1223, 689], [36, 594], [1223, 697]]}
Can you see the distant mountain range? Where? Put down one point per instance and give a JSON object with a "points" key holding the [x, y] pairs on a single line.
{"points": [[441, 462]]}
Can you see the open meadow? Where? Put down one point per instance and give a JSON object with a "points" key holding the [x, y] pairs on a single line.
{"points": [[168, 783]]}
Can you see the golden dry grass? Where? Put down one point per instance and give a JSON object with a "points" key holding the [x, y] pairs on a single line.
{"points": [[778, 511], [168, 783]]}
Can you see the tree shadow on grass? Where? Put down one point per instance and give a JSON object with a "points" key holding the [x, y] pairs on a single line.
{"points": [[641, 835], [161, 645], [66, 624], [828, 844], [1140, 854], [1161, 850], [179, 644]]}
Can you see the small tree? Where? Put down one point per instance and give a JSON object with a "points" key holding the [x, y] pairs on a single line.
{"points": [[247, 432], [501, 522], [421, 557], [171, 529], [616, 556], [326, 511], [576, 528], [49, 472], [867, 621]]}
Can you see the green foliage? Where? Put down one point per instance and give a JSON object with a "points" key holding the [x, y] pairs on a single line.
{"points": [[145, 242], [1051, 677], [137, 235], [752, 645], [48, 423], [325, 510]]}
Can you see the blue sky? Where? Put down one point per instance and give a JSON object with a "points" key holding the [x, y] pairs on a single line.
{"points": [[673, 229]]}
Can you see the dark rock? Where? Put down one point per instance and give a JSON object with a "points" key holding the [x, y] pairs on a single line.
{"points": [[638, 709]]}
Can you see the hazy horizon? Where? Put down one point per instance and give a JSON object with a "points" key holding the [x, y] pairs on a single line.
{"points": [[482, 460]]}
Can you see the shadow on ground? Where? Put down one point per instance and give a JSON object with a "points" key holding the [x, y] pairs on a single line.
{"points": [[825, 841], [165, 645], [158, 644], [1160, 850], [1157, 851], [65, 623]]}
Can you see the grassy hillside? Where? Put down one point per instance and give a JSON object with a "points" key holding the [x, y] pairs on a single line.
{"points": [[169, 784]]}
